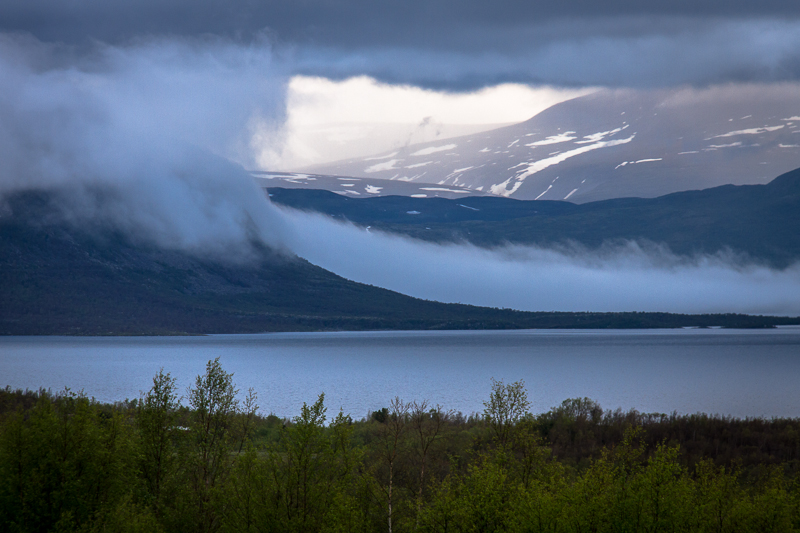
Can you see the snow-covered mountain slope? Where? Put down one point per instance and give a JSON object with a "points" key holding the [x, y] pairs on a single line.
{"points": [[361, 187], [612, 144]]}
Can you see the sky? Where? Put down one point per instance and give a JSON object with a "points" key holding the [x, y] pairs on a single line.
{"points": [[329, 120], [164, 104], [459, 44], [513, 57]]}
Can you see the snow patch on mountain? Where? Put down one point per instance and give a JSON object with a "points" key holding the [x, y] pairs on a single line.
{"points": [[381, 157], [433, 149], [547, 189], [715, 146], [554, 139], [537, 166], [594, 137], [443, 189], [750, 131], [388, 165], [636, 163]]}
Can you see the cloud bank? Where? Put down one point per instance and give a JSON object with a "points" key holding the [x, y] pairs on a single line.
{"points": [[143, 136], [622, 278]]}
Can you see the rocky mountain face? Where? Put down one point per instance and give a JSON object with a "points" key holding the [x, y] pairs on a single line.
{"points": [[611, 144]]}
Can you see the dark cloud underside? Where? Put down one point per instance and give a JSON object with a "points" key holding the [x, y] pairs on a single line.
{"points": [[346, 23], [460, 44]]}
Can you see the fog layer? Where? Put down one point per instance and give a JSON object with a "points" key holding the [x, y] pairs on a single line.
{"points": [[620, 278]]}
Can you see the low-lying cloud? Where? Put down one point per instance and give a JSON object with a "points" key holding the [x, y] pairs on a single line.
{"points": [[142, 137], [620, 278]]}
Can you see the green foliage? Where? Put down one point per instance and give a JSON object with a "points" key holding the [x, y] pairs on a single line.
{"points": [[68, 463], [506, 407], [61, 462], [208, 458], [301, 468], [155, 419]]}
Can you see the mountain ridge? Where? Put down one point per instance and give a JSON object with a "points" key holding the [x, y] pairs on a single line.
{"points": [[611, 144], [761, 221]]}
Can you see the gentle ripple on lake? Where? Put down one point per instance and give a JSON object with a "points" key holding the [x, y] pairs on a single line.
{"points": [[734, 372]]}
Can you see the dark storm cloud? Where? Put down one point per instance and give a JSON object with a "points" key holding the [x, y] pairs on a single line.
{"points": [[348, 23], [465, 43]]}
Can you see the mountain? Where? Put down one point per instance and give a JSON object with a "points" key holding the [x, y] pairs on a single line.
{"points": [[360, 187], [611, 144], [760, 221], [63, 279]]}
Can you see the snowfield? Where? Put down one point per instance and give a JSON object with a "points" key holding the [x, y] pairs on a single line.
{"points": [[598, 145]]}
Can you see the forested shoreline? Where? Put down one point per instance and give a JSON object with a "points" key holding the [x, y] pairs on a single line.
{"points": [[203, 460]]}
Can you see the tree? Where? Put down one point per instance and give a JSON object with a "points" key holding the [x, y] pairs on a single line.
{"points": [[301, 466], [390, 433], [507, 405], [155, 419], [427, 426], [214, 404]]}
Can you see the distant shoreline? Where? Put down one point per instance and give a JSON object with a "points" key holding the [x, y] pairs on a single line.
{"points": [[547, 322]]}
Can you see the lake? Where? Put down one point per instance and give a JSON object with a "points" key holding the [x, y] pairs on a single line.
{"points": [[732, 372]]}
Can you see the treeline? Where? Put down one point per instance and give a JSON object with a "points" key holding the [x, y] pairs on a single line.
{"points": [[209, 462]]}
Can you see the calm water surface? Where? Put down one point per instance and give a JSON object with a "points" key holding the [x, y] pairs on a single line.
{"points": [[736, 372]]}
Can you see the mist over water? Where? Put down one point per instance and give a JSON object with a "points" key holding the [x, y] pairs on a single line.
{"points": [[152, 138]]}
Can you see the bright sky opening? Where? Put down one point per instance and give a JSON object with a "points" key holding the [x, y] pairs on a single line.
{"points": [[329, 120]]}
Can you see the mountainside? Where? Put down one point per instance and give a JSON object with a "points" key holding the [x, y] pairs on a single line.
{"points": [[361, 187], [762, 221], [61, 279], [611, 144]]}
